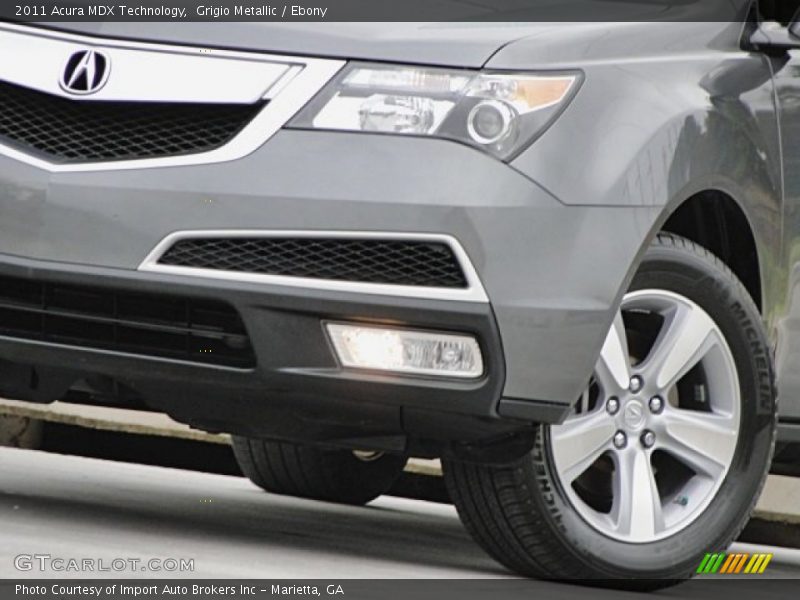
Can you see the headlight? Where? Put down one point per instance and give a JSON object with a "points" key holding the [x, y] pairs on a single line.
{"points": [[501, 113]]}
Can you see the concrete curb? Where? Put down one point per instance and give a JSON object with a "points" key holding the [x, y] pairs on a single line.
{"points": [[780, 500], [109, 419]]}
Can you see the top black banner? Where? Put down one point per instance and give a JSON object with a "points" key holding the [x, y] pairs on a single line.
{"points": [[55, 11]]}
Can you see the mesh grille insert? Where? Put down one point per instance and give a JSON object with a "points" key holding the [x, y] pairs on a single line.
{"points": [[157, 325], [71, 131], [413, 263]]}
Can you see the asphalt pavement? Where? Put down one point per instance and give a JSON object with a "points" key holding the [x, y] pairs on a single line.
{"points": [[72, 507]]}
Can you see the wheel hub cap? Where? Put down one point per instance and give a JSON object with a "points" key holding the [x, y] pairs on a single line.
{"points": [[633, 417]]}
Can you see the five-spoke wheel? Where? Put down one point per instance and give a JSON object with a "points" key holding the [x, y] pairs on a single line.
{"points": [[653, 436]]}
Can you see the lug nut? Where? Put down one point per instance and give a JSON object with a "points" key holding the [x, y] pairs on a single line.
{"points": [[636, 384], [656, 405], [612, 406], [620, 440], [648, 439]]}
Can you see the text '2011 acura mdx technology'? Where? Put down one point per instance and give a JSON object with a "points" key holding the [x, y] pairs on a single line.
{"points": [[563, 258]]}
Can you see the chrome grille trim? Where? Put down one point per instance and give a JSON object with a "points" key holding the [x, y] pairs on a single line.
{"points": [[287, 82]]}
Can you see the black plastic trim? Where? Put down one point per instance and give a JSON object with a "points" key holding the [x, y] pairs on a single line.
{"points": [[537, 411]]}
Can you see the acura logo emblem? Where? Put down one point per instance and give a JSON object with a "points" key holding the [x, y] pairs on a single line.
{"points": [[86, 72], [633, 415]]}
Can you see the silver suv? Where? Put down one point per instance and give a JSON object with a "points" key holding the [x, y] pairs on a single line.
{"points": [[561, 258]]}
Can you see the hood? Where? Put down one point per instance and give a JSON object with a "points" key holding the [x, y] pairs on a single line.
{"points": [[487, 26], [445, 44]]}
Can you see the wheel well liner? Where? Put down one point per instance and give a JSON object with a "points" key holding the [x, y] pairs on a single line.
{"points": [[715, 221]]}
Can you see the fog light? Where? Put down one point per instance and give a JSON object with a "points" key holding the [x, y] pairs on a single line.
{"points": [[406, 351]]}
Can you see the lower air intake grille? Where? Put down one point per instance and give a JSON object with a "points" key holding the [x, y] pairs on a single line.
{"points": [[394, 262], [72, 131], [154, 325]]}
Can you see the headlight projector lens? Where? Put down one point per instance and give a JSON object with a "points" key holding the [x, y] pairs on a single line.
{"points": [[490, 122]]}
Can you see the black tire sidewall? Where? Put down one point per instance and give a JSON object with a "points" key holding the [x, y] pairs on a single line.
{"points": [[692, 273]]}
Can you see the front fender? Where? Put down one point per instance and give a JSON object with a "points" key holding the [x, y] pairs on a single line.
{"points": [[641, 138]]}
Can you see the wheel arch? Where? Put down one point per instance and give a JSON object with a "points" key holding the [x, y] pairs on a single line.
{"points": [[716, 221]]}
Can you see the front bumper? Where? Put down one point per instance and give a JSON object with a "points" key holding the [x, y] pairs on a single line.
{"points": [[553, 275], [296, 390]]}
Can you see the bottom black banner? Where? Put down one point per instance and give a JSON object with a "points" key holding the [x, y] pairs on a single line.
{"points": [[372, 589]]}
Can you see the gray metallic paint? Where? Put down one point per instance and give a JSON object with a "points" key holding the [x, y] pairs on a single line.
{"points": [[786, 308], [445, 44]]}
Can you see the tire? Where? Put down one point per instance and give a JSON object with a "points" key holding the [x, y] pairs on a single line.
{"points": [[528, 515], [305, 471]]}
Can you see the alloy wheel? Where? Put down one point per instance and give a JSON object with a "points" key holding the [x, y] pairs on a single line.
{"points": [[652, 438]]}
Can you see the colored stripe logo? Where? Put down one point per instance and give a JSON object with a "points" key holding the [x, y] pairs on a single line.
{"points": [[734, 564]]}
